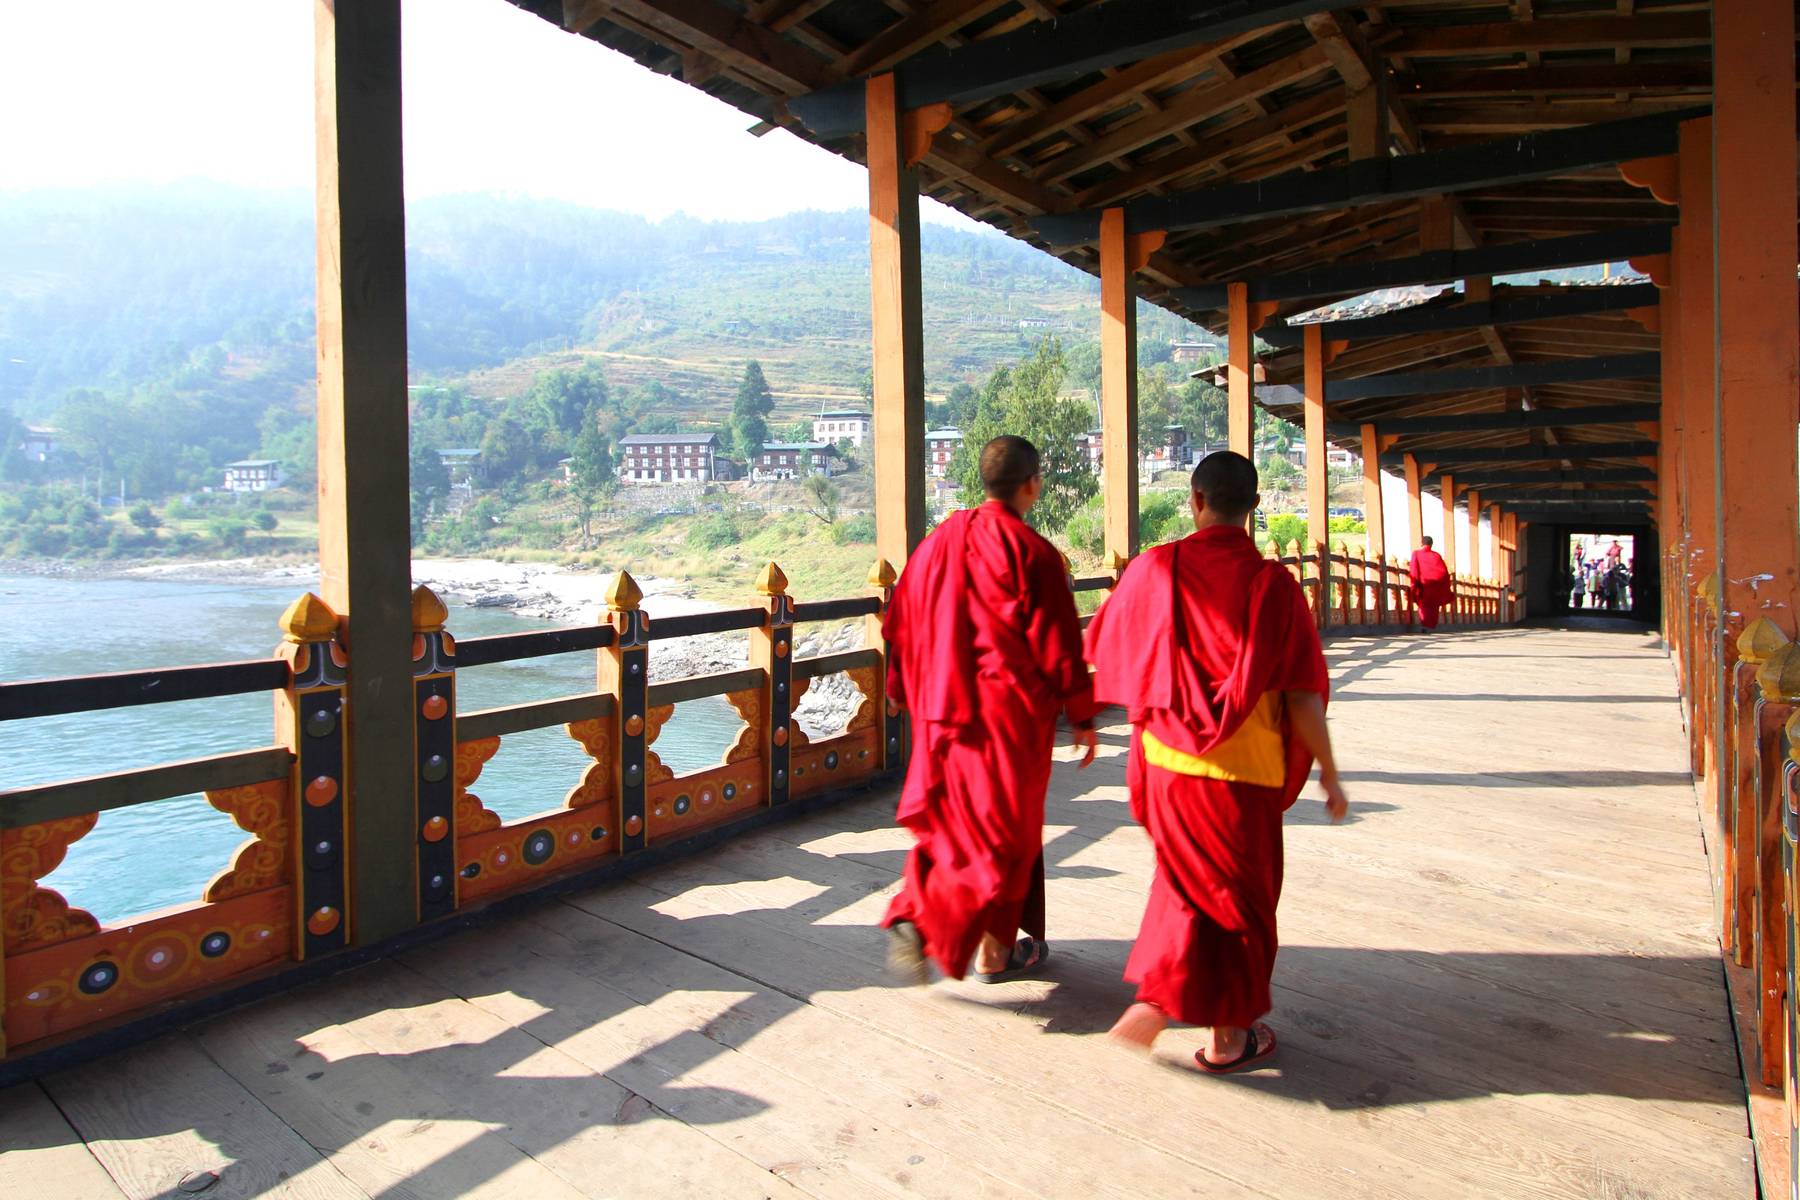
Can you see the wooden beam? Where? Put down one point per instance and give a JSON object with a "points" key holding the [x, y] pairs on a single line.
{"points": [[1481, 476], [898, 327], [364, 524], [1564, 302], [1098, 98], [1122, 32], [1373, 518], [1535, 374], [1447, 496], [1444, 267], [1482, 422], [1415, 509], [1586, 79], [1486, 164], [1118, 388], [724, 33], [1484, 454], [1560, 33], [926, 25]]}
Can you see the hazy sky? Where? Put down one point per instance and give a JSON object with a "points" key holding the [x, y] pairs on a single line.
{"points": [[109, 91]]}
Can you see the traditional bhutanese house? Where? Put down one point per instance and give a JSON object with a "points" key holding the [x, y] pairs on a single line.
{"points": [[794, 460], [668, 457], [39, 443], [941, 446], [252, 475], [464, 465], [844, 425]]}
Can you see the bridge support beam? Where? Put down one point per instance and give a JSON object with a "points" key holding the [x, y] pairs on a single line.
{"points": [[1240, 361], [896, 309], [364, 524], [1447, 490], [1415, 506], [1318, 496], [1118, 387], [1374, 515]]}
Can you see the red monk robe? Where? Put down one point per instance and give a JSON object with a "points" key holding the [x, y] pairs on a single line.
{"points": [[1198, 642], [985, 652], [1430, 584]]}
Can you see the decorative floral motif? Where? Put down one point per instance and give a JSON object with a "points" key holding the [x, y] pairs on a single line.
{"points": [[472, 816], [867, 681], [37, 916], [655, 771], [749, 705], [260, 809], [797, 736], [596, 784]]}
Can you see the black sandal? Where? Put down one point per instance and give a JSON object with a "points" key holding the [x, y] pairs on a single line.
{"points": [[1247, 1058], [1028, 954]]}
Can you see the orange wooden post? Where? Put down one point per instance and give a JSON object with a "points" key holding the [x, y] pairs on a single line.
{"points": [[1374, 515], [1240, 362], [309, 723], [1318, 500], [893, 720], [1121, 256], [434, 755], [1415, 506], [1757, 357], [622, 670], [364, 520], [1447, 490], [898, 327], [1476, 571]]}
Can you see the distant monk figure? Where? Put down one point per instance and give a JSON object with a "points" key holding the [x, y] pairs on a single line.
{"points": [[1430, 583], [986, 652], [1212, 651]]}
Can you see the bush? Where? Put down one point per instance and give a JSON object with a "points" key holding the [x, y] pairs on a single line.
{"points": [[1162, 517], [1086, 529], [228, 531], [714, 532], [1287, 528], [264, 520], [858, 530], [144, 517], [47, 539], [1348, 525]]}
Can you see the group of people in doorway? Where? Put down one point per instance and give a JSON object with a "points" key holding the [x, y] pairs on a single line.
{"points": [[1600, 581], [1209, 648]]}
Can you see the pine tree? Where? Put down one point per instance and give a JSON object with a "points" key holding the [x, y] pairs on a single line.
{"points": [[749, 415], [590, 470]]}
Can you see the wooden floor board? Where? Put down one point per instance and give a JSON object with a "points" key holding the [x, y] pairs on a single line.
{"points": [[1500, 979], [37, 1144]]}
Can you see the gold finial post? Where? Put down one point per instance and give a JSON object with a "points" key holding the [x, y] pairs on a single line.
{"points": [[623, 594], [882, 574], [428, 612], [1779, 675], [1760, 639], [770, 581], [308, 619]]}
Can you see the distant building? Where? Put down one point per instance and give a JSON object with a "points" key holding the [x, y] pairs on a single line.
{"points": [[39, 444], [1034, 322], [1089, 446], [1185, 352], [727, 470], [792, 460], [668, 457], [1173, 453], [252, 475], [464, 466], [1336, 457], [941, 446], [844, 425]]}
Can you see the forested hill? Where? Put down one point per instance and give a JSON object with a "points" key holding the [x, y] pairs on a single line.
{"points": [[120, 289]]}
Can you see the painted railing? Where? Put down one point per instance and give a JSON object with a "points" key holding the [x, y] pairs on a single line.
{"points": [[1348, 591], [286, 896]]}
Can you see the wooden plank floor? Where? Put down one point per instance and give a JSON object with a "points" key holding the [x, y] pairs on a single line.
{"points": [[1497, 980]]}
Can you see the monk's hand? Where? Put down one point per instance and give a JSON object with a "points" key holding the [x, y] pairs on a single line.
{"points": [[1337, 804], [1088, 739]]}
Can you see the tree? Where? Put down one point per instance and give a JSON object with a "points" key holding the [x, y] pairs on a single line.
{"points": [[1156, 409], [749, 414], [961, 404], [430, 482], [264, 520], [1028, 400], [144, 518], [228, 530], [559, 400], [590, 471], [506, 448], [822, 497]]}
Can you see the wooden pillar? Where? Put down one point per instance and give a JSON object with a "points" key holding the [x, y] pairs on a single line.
{"points": [[1671, 491], [1756, 359], [896, 309], [1366, 120], [1694, 278], [1476, 570], [1374, 515], [1118, 386], [364, 525], [1447, 490], [1240, 362], [1318, 499], [1415, 505]]}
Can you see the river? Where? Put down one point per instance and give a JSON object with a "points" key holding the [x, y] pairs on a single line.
{"points": [[152, 855]]}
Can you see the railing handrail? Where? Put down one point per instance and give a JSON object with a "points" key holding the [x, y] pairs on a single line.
{"points": [[57, 697], [24, 806]]}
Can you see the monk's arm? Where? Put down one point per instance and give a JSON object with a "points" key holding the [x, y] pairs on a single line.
{"points": [[1306, 715]]}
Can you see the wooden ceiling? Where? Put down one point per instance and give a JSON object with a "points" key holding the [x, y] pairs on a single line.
{"points": [[1401, 76]]}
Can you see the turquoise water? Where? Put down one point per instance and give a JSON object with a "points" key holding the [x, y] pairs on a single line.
{"points": [[153, 855]]}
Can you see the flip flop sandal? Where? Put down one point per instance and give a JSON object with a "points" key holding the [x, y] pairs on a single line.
{"points": [[1248, 1058], [906, 954], [1027, 955]]}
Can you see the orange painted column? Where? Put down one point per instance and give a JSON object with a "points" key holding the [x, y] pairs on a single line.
{"points": [[1375, 517], [1476, 569], [1757, 354], [1415, 506], [1118, 387], [1671, 493], [1240, 363], [1318, 499], [1447, 490], [896, 309]]}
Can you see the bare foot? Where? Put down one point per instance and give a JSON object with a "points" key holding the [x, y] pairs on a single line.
{"points": [[1224, 1043], [992, 955], [1138, 1027]]}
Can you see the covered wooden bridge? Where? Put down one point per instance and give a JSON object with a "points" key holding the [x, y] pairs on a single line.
{"points": [[1552, 957]]}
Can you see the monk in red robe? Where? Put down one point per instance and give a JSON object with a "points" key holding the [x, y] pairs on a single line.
{"points": [[1210, 648], [1430, 583], [985, 654]]}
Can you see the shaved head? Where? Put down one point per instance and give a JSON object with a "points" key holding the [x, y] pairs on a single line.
{"points": [[1227, 482], [1008, 463]]}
